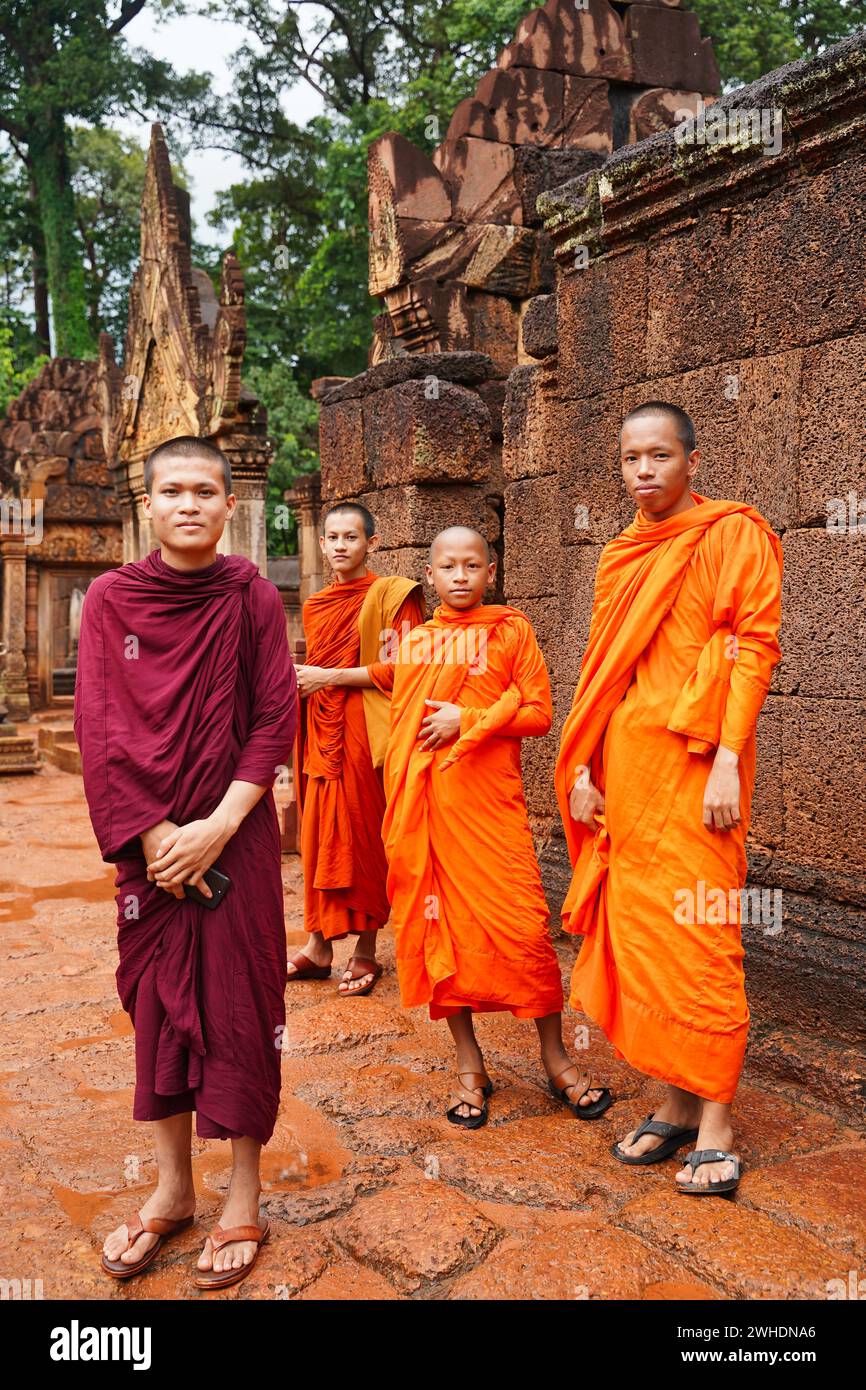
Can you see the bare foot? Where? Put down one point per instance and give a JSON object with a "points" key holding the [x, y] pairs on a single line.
{"points": [[169, 1204], [316, 949], [238, 1211], [711, 1136], [559, 1062], [674, 1112], [351, 984], [473, 1061]]}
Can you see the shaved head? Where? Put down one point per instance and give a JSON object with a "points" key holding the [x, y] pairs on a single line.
{"points": [[460, 535], [682, 423]]}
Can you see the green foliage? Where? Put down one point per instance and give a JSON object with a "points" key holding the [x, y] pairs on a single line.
{"points": [[61, 62], [293, 425], [751, 37], [14, 374]]}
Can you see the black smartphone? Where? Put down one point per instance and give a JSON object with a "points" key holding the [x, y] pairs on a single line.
{"points": [[217, 882]]}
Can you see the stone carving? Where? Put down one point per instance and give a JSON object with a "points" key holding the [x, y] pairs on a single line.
{"points": [[181, 371]]}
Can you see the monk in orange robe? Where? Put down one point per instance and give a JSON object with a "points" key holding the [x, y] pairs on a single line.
{"points": [[654, 781], [342, 735], [468, 910]]}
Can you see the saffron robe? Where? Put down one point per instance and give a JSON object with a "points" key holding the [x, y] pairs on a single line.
{"points": [[470, 919], [341, 744], [185, 684], [682, 643]]}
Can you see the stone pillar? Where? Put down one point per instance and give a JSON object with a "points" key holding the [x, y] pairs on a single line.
{"points": [[305, 498], [246, 533], [13, 639]]}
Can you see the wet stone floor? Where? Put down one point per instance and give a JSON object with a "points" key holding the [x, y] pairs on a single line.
{"points": [[370, 1193]]}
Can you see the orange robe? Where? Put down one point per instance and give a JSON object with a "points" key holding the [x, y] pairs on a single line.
{"points": [[682, 643], [340, 794], [469, 915]]}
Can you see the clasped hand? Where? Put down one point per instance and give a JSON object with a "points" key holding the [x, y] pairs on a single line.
{"points": [[311, 679], [441, 725], [179, 854], [585, 799]]}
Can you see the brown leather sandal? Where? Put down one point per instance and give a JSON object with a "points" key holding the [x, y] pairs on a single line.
{"points": [[475, 1095], [153, 1225], [306, 969], [370, 967], [222, 1278], [558, 1086]]}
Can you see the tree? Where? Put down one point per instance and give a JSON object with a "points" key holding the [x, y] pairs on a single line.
{"points": [[57, 62], [293, 425], [751, 37]]}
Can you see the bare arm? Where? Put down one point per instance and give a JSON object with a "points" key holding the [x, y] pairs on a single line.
{"points": [[313, 678]]}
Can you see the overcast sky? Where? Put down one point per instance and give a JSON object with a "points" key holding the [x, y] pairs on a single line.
{"points": [[205, 45]]}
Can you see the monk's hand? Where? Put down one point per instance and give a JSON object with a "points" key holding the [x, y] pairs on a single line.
{"points": [[187, 852], [585, 799], [150, 843], [722, 795], [441, 725], [312, 678]]}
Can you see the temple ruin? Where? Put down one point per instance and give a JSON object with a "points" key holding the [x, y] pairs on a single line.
{"points": [[72, 451], [723, 271], [181, 372]]}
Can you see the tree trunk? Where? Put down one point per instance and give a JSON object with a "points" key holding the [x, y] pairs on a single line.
{"points": [[64, 271], [42, 321]]}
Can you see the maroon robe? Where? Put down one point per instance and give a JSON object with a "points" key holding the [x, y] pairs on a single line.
{"points": [[185, 684]]}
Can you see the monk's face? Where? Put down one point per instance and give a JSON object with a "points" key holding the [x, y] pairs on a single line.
{"points": [[345, 545], [656, 469], [459, 569], [188, 505]]}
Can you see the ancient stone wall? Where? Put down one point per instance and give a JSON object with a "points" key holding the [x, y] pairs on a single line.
{"points": [[729, 281], [456, 242], [53, 465], [458, 251]]}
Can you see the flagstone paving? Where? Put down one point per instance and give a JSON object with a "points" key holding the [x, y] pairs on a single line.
{"points": [[370, 1193]]}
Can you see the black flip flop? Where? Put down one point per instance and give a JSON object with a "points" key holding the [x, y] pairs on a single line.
{"points": [[674, 1136], [710, 1189]]}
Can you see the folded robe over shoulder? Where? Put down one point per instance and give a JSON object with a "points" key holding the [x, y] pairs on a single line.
{"points": [[340, 749], [682, 643], [185, 684], [467, 906]]}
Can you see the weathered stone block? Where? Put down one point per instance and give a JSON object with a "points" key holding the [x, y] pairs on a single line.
{"points": [[531, 537], [538, 325], [701, 295], [342, 452], [823, 755], [659, 109], [668, 51], [411, 516], [603, 328], [824, 618], [562, 38], [480, 174], [807, 259], [536, 170], [427, 431], [832, 410]]}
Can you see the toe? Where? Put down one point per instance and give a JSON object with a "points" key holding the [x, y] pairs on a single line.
{"points": [[205, 1260]]}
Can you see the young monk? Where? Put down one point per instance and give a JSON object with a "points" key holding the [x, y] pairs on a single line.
{"points": [[654, 781], [468, 910], [185, 710], [341, 748]]}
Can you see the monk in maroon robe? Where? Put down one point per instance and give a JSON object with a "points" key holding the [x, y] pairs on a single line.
{"points": [[185, 712]]}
